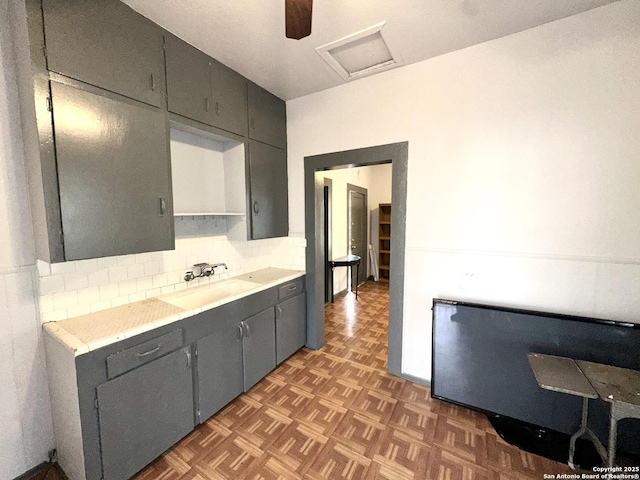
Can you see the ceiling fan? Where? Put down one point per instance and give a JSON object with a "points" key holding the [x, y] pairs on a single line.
{"points": [[298, 18]]}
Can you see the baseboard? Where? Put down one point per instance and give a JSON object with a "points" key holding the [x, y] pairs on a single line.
{"points": [[421, 381]]}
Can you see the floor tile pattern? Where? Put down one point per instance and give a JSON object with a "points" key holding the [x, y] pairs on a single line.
{"points": [[337, 414]]}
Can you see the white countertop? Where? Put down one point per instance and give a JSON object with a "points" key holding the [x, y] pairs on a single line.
{"points": [[90, 332]]}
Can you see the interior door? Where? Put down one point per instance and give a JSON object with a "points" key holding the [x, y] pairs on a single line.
{"points": [[357, 220], [327, 239]]}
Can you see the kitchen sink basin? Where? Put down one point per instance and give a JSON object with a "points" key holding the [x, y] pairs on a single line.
{"points": [[199, 297]]}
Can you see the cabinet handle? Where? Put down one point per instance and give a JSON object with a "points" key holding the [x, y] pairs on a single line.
{"points": [[279, 310], [206, 104], [247, 330], [292, 288], [188, 355], [253, 123], [256, 207], [217, 108], [148, 352], [153, 83], [163, 206], [240, 332]]}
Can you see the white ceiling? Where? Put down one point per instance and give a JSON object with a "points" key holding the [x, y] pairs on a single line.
{"points": [[249, 35]]}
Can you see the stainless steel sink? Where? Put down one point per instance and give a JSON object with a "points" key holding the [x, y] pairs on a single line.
{"points": [[199, 297]]}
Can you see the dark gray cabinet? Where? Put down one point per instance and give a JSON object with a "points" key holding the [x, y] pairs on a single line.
{"points": [[144, 412], [291, 327], [259, 347], [268, 191], [229, 99], [113, 175], [188, 80], [220, 377], [203, 89], [107, 44], [267, 117], [233, 360]]}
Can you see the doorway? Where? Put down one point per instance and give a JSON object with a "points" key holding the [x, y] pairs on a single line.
{"points": [[327, 221], [357, 213], [397, 154]]}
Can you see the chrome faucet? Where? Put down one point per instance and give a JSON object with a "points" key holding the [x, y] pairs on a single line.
{"points": [[203, 270]]}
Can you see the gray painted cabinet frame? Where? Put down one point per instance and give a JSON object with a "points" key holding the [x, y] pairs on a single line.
{"points": [[205, 371], [133, 67]]}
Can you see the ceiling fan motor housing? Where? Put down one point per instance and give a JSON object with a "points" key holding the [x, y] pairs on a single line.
{"points": [[298, 18]]}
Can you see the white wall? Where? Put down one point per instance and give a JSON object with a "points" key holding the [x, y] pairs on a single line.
{"points": [[26, 432], [524, 166], [376, 179]]}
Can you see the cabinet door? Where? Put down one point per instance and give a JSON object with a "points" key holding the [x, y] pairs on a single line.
{"points": [[229, 97], [220, 376], [268, 191], [291, 326], [188, 81], [113, 175], [144, 412], [259, 347], [107, 44], [267, 117]]}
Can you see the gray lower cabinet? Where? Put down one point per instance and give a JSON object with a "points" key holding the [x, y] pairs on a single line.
{"points": [[220, 376], [268, 191], [259, 347], [233, 360], [144, 412], [113, 174], [107, 44], [117, 408], [291, 326], [267, 117]]}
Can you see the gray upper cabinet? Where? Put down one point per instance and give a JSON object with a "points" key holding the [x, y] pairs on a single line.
{"points": [[267, 117], [113, 175], [144, 412], [229, 99], [291, 326], [220, 377], [268, 191], [203, 89], [188, 80], [107, 44]]}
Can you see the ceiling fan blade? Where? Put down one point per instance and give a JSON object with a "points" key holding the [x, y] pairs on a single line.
{"points": [[298, 18]]}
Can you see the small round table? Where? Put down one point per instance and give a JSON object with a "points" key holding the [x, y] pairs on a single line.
{"points": [[348, 261]]}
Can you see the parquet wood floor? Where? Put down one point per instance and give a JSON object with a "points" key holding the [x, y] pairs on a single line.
{"points": [[336, 414]]}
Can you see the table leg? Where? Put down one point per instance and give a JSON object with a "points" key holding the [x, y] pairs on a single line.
{"points": [[585, 431], [357, 277], [579, 433], [613, 436]]}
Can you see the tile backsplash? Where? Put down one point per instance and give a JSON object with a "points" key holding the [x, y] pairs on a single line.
{"points": [[76, 288]]}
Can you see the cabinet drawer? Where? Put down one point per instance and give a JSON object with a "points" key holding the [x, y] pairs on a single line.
{"points": [[133, 357], [291, 288]]}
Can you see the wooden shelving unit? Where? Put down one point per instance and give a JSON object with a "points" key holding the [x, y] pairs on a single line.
{"points": [[384, 241]]}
